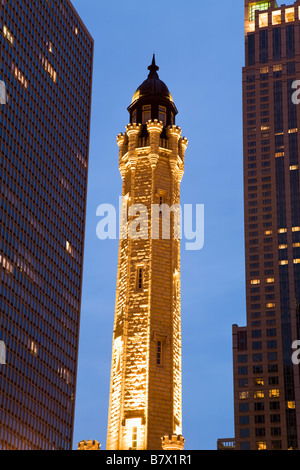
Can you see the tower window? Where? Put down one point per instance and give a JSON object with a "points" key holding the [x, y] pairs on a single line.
{"points": [[134, 438], [146, 114], [134, 116], [133, 431], [140, 278], [162, 114], [159, 353]]}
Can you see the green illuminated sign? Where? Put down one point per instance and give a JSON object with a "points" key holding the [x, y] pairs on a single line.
{"points": [[261, 6]]}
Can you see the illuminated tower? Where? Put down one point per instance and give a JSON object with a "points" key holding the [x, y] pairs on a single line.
{"points": [[145, 395], [266, 381]]}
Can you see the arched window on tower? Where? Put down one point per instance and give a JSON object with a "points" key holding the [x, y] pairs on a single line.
{"points": [[146, 114], [162, 114], [134, 116]]}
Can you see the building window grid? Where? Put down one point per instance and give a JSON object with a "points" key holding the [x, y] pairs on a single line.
{"points": [[37, 438]]}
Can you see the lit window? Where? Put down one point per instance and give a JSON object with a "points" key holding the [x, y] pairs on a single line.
{"points": [[265, 128], [68, 247], [276, 17], [271, 305], [294, 167], [7, 34], [133, 427], [274, 393], [291, 405], [19, 76], [146, 114], [264, 70], [283, 262], [279, 154], [296, 245], [296, 229], [243, 395], [64, 374], [134, 438], [289, 15], [277, 68], [259, 381], [268, 232], [282, 247], [162, 114], [261, 6], [48, 67], [296, 261], [259, 394], [33, 347], [282, 230], [270, 280], [263, 20], [255, 282], [293, 131], [261, 445]]}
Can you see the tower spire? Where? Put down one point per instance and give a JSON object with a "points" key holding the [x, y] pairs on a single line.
{"points": [[153, 68]]}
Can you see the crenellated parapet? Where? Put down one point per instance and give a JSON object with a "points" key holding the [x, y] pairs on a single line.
{"points": [[174, 134], [183, 143], [133, 131], [178, 147], [173, 442], [88, 445]]}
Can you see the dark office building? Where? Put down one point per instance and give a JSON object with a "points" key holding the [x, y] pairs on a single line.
{"points": [[45, 76], [266, 378]]}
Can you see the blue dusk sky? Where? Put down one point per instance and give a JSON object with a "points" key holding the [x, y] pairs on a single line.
{"points": [[199, 48]]}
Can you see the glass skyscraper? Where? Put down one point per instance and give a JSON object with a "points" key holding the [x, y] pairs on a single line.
{"points": [[46, 80], [266, 378]]}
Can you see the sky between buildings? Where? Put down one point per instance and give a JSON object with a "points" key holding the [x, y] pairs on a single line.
{"points": [[199, 48]]}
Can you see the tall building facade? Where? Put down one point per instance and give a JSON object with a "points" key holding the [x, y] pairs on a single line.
{"points": [[266, 379], [145, 394], [46, 80]]}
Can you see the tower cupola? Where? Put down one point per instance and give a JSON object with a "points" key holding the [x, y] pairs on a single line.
{"points": [[152, 100]]}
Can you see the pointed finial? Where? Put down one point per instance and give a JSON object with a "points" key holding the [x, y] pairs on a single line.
{"points": [[153, 68]]}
